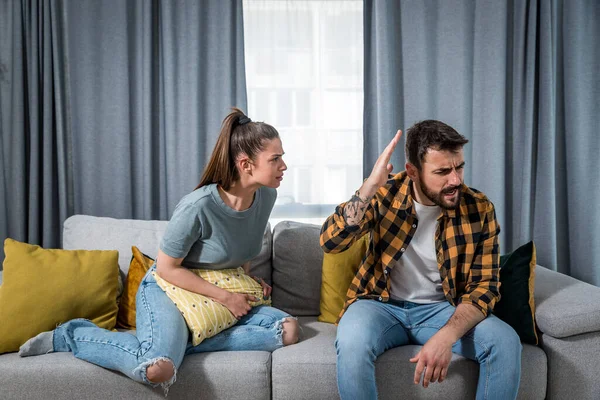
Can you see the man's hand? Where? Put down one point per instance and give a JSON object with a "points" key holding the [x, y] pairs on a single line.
{"points": [[433, 360], [382, 168], [436, 354], [238, 304], [355, 208]]}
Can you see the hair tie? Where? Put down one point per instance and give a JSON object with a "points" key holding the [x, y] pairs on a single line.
{"points": [[244, 120]]}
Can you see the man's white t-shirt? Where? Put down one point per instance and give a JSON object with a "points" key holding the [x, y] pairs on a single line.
{"points": [[415, 277]]}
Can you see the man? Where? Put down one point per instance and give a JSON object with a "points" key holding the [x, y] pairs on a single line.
{"points": [[431, 272]]}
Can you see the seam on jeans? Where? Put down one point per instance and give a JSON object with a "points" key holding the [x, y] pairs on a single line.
{"points": [[227, 332], [469, 336], [83, 339], [434, 326], [105, 343], [382, 335], [141, 351], [487, 378]]}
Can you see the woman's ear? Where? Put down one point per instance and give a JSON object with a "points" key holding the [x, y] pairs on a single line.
{"points": [[244, 165]]}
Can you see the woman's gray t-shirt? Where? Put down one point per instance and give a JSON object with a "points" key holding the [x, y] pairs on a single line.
{"points": [[209, 234]]}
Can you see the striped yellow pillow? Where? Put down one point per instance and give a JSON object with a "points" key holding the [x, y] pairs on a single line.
{"points": [[204, 316]]}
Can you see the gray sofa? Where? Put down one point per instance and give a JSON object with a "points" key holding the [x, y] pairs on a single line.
{"points": [[563, 367]]}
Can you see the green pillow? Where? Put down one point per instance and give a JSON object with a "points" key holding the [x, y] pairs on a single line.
{"points": [[516, 306]]}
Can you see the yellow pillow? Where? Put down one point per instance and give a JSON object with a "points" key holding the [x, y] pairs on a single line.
{"points": [[204, 316], [45, 287], [138, 266], [338, 271]]}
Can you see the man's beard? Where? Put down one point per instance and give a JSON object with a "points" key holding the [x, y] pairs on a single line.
{"points": [[438, 198]]}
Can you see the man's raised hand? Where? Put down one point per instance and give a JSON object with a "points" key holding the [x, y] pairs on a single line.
{"points": [[381, 169]]}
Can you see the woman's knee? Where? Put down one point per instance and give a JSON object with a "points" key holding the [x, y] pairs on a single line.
{"points": [[291, 331], [161, 371]]}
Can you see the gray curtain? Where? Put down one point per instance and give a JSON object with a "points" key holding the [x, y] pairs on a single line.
{"points": [[35, 192], [520, 80], [110, 108]]}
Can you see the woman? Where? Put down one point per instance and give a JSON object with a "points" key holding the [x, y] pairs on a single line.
{"points": [[219, 225]]}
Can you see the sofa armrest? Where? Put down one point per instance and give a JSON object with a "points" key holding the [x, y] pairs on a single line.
{"points": [[565, 306]]}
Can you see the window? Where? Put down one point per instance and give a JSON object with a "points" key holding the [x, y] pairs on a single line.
{"points": [[304, 73]]}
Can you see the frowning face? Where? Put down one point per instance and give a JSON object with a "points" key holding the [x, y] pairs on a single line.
{"points": [[440, 179], [268, 166]]}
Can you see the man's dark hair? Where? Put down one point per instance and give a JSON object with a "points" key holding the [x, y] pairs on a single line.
{"points": [[430, 134]]}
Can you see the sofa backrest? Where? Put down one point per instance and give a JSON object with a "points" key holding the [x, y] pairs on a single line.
{"points": [[102, 233], [297, 265], [290, 259]]}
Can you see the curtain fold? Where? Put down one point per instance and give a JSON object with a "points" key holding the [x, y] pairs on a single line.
{"points": [[168, 74], [110, 108], [519, 80], [34, 188]]}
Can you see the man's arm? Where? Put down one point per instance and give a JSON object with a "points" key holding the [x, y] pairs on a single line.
{"points": [[483, 282], [355, 208], [354, 218]]}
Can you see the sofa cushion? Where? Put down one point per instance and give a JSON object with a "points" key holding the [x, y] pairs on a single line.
{"points": [[313, 360], [204, 316], [573, 366], [103, 233], [297, 263], [338, 271], [261, 265], [516, 306], [565, 306], [222, 375], [45, 287], [138, 266]]}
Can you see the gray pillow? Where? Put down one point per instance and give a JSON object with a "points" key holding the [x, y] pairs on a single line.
{"points": [[297, 265]]}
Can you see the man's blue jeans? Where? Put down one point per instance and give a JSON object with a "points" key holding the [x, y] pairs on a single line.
{"points": [[162, 334], [369, 327]]}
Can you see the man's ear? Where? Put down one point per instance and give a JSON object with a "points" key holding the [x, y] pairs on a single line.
{"points": [[412, 171]]}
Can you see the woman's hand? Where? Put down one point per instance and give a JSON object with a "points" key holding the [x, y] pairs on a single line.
{"points": [[238, 304], [266, 288]]}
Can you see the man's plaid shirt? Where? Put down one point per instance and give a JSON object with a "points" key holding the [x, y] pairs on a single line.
{"points": [[466, 242]]}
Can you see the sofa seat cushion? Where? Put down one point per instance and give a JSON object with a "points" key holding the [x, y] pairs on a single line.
{"points": [[218, 376], [313, 360]]}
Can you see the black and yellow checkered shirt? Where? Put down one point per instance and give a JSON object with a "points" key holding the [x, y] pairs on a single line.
{"points": [[466, 242]]}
